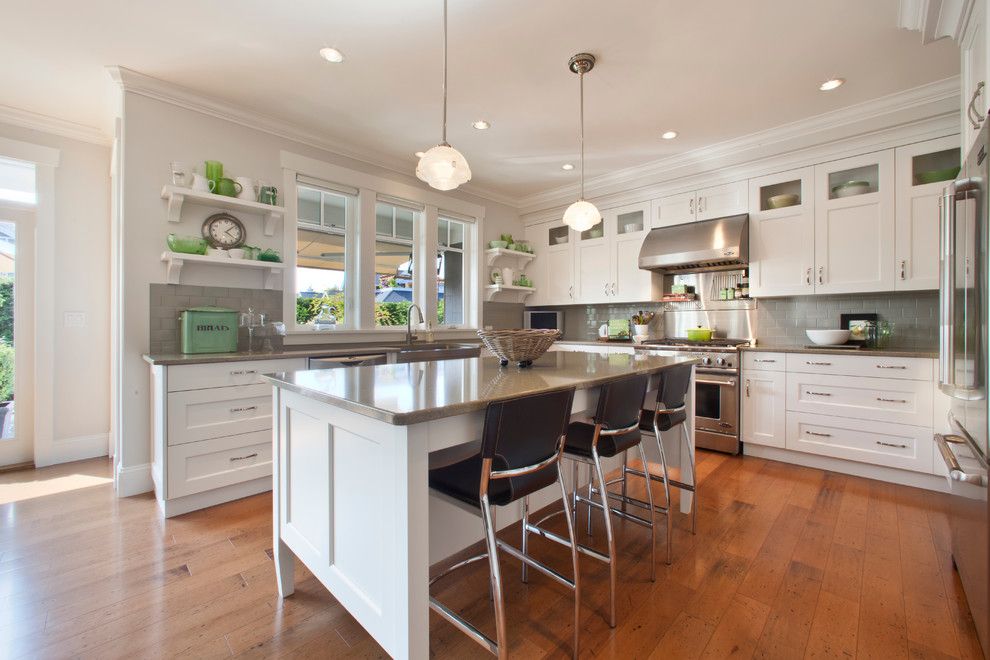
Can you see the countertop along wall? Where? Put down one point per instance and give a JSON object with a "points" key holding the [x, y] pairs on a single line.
{"points": [[81, 404], [155, 133]]}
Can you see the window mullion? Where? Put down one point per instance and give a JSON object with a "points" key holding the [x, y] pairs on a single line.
{"points": [[425, 265], [363, 296]]}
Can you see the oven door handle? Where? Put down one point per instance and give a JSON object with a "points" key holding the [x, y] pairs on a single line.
{"points": [[705, 381]]}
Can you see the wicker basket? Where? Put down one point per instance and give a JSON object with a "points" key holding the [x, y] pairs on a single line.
{"points": [[519, 346]]}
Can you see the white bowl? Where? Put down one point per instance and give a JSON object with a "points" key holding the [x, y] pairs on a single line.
{"points": [[828, 337], [236, 253]]}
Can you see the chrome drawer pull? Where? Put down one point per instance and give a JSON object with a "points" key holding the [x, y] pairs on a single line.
{"points": [[818, 393], [244, 409], [820, 435], [243, 458], [819, 364], [891, 366], [891, 444], [764, 360], [243, 372], [880, 398]]}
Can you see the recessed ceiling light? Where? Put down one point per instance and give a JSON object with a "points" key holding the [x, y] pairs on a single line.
{"points": [[419, 154], [831, 84], [332, 55], [481, 125], [567, 166], [669, 135]]}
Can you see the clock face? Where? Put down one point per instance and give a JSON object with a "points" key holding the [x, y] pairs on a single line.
{"points": [[223, 230]]}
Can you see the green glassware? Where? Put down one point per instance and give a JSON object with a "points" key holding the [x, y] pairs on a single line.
{"points": [[228, 187], [214, 170]]}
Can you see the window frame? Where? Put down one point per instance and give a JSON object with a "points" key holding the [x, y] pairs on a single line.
{"points": [[360, 238]]}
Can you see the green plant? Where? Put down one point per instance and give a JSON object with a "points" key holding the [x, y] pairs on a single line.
{"points": [[7, 310], [308, 308], [643, 318], [391, 313], [269, 255], [6, 371]]}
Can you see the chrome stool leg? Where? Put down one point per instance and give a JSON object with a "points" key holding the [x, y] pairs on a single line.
{"points": [[591, 487], [525, 537], [488, 519], [666, 489], [694, 479], [606, 510], [574, 492], [572, 536], [653, 513]]}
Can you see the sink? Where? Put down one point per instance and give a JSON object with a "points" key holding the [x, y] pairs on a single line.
{"points": [[429, 351]]}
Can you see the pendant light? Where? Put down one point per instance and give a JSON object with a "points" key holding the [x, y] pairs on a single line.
{"points": [[582, 215], [443, 167]]}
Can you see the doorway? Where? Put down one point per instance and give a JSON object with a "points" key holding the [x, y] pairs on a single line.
{"points": [[16, 335]]}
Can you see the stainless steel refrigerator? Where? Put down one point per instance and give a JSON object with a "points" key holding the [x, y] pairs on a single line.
{"points": [[963, 375]]}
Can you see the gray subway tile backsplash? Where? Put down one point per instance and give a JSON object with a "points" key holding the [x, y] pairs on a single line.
{"points": [[783, 321], [168, 300]]}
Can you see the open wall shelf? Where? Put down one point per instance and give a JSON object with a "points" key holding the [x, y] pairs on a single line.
{"points": [[175, 262], [177, 196]]}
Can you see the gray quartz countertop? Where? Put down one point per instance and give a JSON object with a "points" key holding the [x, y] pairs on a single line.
{"points": [[888, 352], [403, 394], [316, 350]]}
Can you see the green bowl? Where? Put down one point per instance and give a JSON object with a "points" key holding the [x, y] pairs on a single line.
{"points": [[934, 176], [497, 245], [186, 244], [699, 334]]}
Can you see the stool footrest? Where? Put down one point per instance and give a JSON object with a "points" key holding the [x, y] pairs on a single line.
{"points": [[550, 536], [460, 564], [464, 626], [543, 568], [655, 477], [618, 512]]}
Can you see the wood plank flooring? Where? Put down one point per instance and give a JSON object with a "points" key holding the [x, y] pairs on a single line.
{"points": [[788, 562]]}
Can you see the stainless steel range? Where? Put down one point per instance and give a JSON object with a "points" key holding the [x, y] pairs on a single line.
{"points": [[716, 396]]}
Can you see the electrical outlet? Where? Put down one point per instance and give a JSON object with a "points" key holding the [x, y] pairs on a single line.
{"points": [[74, 319]]}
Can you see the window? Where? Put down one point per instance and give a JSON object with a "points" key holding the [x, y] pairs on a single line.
{"points": [[395, 228], [323, 219], [17, 181], [451, 274]]}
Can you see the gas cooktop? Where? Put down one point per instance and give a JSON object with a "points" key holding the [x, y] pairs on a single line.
{"points": [[680, 342]]}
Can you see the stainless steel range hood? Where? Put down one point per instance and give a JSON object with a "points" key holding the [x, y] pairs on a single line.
{"points": [[697, 247]]}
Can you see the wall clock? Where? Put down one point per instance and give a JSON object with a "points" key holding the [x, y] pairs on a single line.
{"points": [[222, 230]]}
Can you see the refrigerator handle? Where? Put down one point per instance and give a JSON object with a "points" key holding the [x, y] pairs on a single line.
{"points": [[946, 286], [956, 473]]}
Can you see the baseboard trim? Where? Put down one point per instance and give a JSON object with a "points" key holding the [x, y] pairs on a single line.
{"points": [[878, 472], [180, 505], [134, 480], [75, 448]]}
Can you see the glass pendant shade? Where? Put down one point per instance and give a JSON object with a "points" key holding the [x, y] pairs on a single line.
{"points": [[443, 168], [582, 215]]}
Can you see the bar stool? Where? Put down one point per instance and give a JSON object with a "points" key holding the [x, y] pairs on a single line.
{"points": [[668, 412], [613, 431], [519, 454]]}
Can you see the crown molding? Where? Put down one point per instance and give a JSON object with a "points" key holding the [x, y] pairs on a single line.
{"points": [[135, 82], [937, 99], [934, 19], [53, 125]]}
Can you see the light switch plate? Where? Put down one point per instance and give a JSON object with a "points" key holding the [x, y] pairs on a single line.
{"points": [[74, 319]]}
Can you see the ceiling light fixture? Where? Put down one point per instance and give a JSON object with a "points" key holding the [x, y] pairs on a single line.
{"points": [[669, 135], [481, 125], [567, 167], [831, 83], [442, 166], [332, 55], [581, 215], [420, 154]]}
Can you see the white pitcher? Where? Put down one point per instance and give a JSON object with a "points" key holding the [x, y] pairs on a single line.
{"points": [[507, 276], [248, 191]]}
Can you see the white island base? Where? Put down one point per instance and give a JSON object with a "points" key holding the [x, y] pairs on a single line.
{"points": [[351, 501]]}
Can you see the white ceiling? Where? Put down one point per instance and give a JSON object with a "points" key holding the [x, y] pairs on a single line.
{"points": [[710, 70]]}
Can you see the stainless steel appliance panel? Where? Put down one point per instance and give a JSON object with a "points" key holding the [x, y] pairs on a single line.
{"points": [[344, 361]]}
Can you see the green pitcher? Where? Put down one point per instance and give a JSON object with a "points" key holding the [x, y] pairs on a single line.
{"points": [[228, 187], [214, 170]]}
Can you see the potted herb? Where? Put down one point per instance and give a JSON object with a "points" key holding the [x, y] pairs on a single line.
{"points": [[641, 323]]}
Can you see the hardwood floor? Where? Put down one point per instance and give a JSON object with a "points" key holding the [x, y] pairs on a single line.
{"points": [[788, 562]]}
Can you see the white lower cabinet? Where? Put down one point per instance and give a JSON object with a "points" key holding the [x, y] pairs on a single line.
{"points": [[212, 431], [880, 443], [763, 408], [870, 409]]}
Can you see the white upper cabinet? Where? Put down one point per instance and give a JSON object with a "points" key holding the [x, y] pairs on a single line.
{"points": [[628, 226], [782, 238], [854, 224], [559, 261], [973, 74], [593, 264], [923, 170], [720, 201], [673, 210], [704, 204]]}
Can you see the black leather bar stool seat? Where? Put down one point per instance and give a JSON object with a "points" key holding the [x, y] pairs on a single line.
{"points": [[460, 481], [581, 440]]}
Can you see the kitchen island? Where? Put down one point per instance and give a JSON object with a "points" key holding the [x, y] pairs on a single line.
{"points": [[351, 449]]}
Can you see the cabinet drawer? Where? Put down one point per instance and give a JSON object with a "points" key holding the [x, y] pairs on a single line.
{"points": [[202, 414], [879, 399], [874, 366], [759, 361], [224, 374], [877, 443], [201, 466]]}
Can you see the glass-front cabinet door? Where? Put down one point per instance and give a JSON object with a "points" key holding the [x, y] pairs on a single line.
{"points": [[782, 234], [628, 226]]}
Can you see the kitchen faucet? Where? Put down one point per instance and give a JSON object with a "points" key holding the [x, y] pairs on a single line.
{"points": [[409, 335]]}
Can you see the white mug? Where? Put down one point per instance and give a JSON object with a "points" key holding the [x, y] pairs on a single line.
{"points": [[507, 276], [247, 188], [203, 184]]}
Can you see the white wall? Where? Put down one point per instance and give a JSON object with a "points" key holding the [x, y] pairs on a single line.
{"points": [[81, 402], [154, 134]]}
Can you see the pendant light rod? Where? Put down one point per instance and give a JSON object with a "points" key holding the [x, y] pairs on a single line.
{"points": [[443, 125], [581, 64]]}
